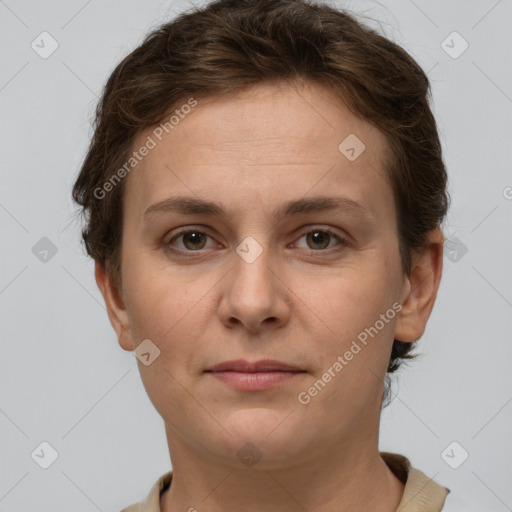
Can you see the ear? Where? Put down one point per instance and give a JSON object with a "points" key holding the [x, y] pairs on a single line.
{"points": [[115, 307], [420, 289]]}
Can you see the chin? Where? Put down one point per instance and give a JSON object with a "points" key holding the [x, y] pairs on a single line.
{"points": [[260, 437]]}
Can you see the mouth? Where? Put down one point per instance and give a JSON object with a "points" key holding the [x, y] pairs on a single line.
{"points": [[256, 376]]}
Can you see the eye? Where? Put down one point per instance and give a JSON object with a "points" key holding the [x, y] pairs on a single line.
{"points": [[319, 239], [193, 240]]}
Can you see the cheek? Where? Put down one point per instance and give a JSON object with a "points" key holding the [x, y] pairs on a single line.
{"points": [[155, 298], [352, 298], [171, 313], [169, 307], [348, 323]]}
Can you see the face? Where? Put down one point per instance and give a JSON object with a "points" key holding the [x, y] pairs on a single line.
{"points": [[276, 272]]}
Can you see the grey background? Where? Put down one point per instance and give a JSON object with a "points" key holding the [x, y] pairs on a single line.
{"points": [[63, 377]]}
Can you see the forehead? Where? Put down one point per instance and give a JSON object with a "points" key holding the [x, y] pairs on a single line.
{"points": [[265, 142]]}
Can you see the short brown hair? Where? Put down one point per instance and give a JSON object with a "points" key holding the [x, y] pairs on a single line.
{"points": [[231, 44]]}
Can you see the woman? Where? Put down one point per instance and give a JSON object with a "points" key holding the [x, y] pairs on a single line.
{"points": [[264, 193]]}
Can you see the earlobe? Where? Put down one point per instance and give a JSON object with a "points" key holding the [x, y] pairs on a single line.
{"points": [[116, 309], [420, 289]]}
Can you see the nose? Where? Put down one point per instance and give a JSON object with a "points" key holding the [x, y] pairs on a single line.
{"points": [[254, 294]]}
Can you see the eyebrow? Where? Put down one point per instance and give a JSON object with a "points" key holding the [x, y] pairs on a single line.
{"points": [[194, 206]]}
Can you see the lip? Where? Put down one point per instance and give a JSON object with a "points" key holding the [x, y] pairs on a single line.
{"points": [[255, 376], [264, 365]]}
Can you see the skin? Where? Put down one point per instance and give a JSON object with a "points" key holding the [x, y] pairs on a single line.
{"points": [[302, 301]]}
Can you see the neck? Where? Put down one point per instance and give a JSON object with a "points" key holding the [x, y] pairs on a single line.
{"points": [[347, 476]]}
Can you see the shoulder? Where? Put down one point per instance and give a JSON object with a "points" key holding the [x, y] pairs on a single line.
{"points": [[137, 507], [421, 493], [151, 502]]}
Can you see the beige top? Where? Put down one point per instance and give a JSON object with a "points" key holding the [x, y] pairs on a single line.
{"points": [[421, 494]]}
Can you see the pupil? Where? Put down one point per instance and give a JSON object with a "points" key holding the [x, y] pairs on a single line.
{"points": [[196, 238], [318, 236]]}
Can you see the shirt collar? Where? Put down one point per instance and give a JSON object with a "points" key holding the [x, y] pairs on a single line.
{"points": [[421, 493]]}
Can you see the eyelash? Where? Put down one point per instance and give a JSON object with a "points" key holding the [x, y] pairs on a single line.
{"points": [[192, 254]]}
